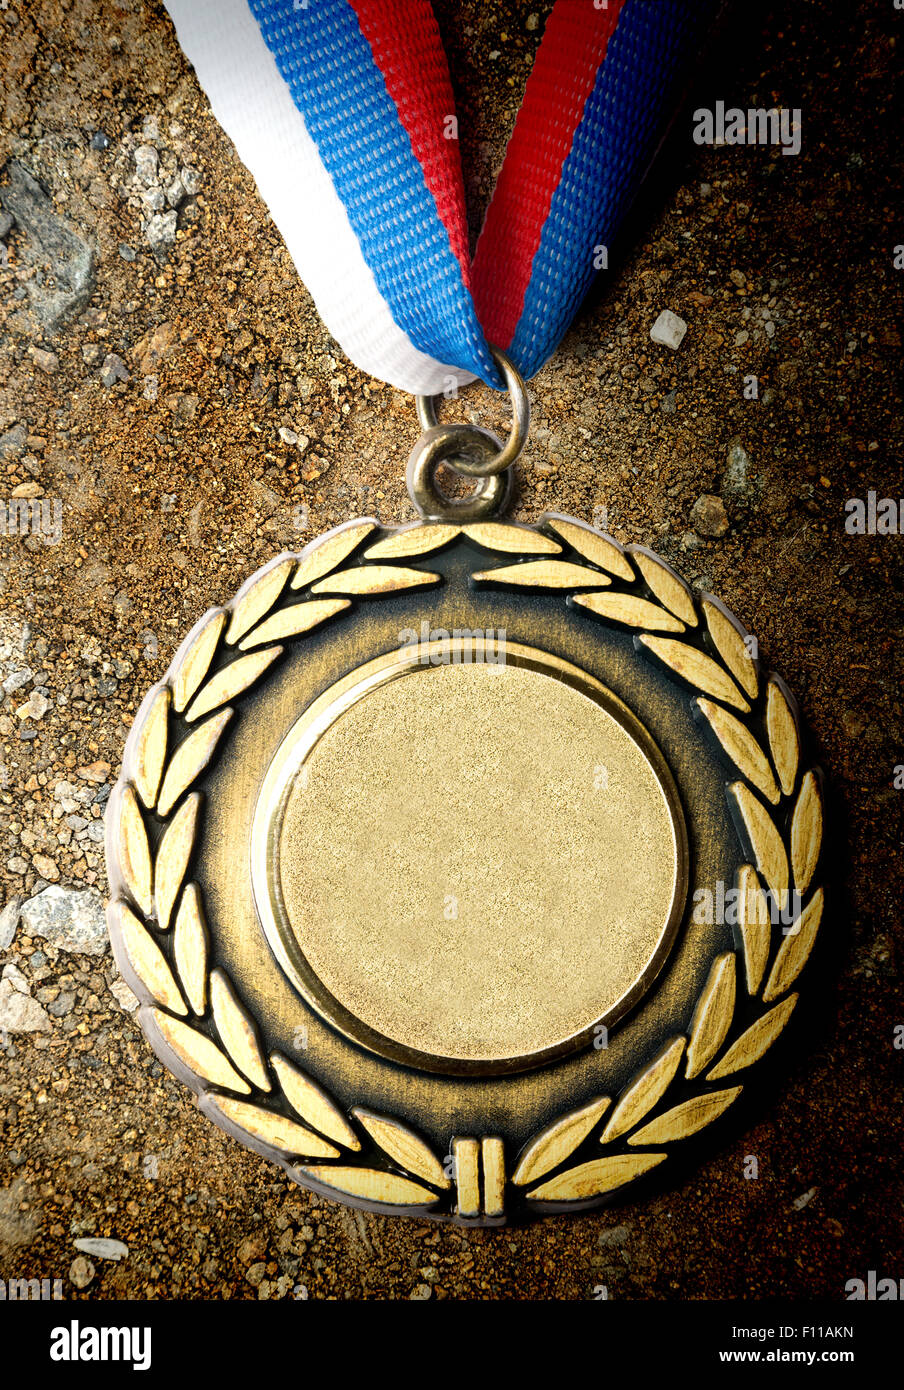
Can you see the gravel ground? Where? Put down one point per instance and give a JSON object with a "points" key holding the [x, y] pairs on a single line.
{"points": [[169, 393]]}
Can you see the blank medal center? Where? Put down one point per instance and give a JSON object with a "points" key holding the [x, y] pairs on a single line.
{"points": [[477, 861]]}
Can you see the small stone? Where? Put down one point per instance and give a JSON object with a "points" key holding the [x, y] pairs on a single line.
{"points": [[153, 199], [737, 277], [804, 1199], [45, 867], [191, 180], [670, 403], [532, 23], [67, 291], [255, 1273], [100, 141], [12, 444], [27, 490], [741, 338], [287, 436], [123, 996], [71, 919], [175, 194], [113, 370], [734, 479], [668, 330], [17, 981], [19, 1013], [161, 230], [126, 252], [47, 362], [708, 516], [81, 1272], [151, 387], [102, 1248], [17, 865], [62, 1005], [420, 1293], [9, 920], [16, 679], [35, 707], [146, 162], [185, 407], [91, 353], [94, 772]]}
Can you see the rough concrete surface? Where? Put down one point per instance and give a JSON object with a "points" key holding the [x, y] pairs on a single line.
{"points": [[164, 375]]}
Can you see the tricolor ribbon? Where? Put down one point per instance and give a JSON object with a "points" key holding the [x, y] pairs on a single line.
{"points": [[342, 110]]}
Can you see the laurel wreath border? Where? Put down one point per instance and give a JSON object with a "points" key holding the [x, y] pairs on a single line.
{"points": [[190, 1009]]}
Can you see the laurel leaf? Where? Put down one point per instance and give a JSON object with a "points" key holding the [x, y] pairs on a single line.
{"points": [[806, 833], [758, 1038], [598, 549], [645, 1091], [687, 1118], [492, 1153], [419, 539], [196, 1051], [147, 960], [313, 1104], [712, 1015], [784, 742], [741, 747], [794, 951], [558, 1141], [269, 1128], [150, 748], [294, 620], [172, 858], [324, 555], [231, 681], [195, 662], [466, 1158], [698, 669], [728, 636], [134, 851], [191, 948], [754, 926], [237, 1031], [257, 599], [545, 574], [403, 1146], [190, 760], [765, 841], [372, 1185], [516, 540], [593, 1178], [632, 611], [375, 579], [668, 587]]}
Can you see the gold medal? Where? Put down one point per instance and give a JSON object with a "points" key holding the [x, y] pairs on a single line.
{"points": [[464, 868]]}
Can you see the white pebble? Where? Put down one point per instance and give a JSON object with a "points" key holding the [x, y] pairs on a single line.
{"points": [[668, 330]]}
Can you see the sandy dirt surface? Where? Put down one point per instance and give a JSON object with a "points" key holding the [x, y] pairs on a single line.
{"points": [[165, 378]]}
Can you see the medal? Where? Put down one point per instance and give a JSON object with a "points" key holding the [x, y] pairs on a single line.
{"points": [[465, 868]]}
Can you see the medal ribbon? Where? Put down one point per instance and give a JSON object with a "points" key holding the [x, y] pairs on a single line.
{"points": [[344, 113]]}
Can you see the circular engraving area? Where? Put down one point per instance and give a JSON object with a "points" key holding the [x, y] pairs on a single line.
{"points": [[469, 865]]}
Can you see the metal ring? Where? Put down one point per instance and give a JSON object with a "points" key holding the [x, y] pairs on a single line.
{"points": [[447, 444], [426, 411]]}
